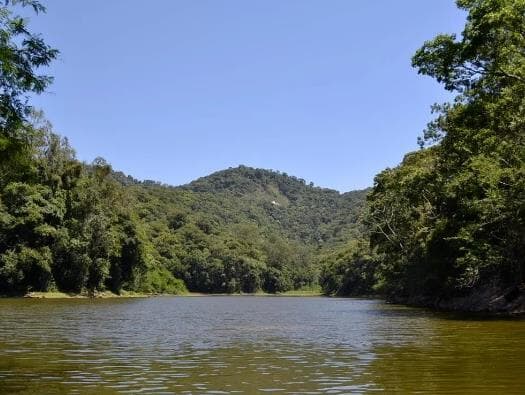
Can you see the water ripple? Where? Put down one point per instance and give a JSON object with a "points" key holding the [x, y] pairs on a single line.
{"points": [[225, 345]]}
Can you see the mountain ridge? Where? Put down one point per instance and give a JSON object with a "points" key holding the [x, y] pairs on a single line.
{"points": [[272, 192], [126, 179]]}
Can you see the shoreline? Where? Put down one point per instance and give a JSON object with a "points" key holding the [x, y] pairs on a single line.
{"points": [[450, 307], [82, 295], [127, 294], [493, 301], [289, 294]]}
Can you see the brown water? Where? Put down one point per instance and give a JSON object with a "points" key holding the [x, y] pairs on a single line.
{"points": [[223, 345]]}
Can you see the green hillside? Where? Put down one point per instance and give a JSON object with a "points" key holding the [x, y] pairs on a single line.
{"points": [[244, 229]]}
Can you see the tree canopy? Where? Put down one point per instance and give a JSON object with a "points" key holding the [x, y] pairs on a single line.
{"points": [[450, 219]]}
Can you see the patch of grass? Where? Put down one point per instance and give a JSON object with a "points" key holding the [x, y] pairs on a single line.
{"points": [[308, 291], [63, 295]]}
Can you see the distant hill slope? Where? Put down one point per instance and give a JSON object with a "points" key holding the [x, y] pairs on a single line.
{"points": [[267, 198], [207, 232], [299, 210]]}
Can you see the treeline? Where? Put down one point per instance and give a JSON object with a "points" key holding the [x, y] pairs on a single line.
{"points": [[68, 226], [450, 219]]}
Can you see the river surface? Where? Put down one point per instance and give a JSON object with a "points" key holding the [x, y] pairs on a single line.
{"points": [[247, 345]]}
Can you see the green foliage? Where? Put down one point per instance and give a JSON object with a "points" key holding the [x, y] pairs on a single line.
{"points": [[350, 270], [72, 227], [451, 217], [488, 58], [21, 55], [283, 204], [25, 269], [161, 281], [243, 229]]}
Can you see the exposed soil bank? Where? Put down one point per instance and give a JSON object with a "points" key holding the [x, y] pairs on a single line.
{"points": [[492, 300]]}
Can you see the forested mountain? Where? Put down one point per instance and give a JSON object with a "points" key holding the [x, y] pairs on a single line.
{"points": [[244, 229], [277, 201]]}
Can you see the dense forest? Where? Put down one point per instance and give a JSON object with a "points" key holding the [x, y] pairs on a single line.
{"points": [[447, 223], [244, 229], [450, 220]]}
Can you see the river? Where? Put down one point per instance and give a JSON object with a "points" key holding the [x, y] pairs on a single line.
{"points": [[250, 344]]}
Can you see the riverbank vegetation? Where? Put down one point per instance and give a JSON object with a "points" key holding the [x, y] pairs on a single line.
{"points": [[448, 222], [447, 226], [451, 218]]}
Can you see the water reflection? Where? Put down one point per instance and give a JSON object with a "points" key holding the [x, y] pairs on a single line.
{"points": [[251, 344]]}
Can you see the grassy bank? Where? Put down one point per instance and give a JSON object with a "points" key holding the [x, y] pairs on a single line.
{"points": [[101, 295], [127, 294]]}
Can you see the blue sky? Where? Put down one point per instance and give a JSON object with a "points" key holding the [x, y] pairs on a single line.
{"points": [[172, 90]]}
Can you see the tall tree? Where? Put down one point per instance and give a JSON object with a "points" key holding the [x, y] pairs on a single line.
{"points": [[22, 54]]}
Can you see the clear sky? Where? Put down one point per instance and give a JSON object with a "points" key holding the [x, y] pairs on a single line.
{"points": [[172, 90]]}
